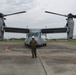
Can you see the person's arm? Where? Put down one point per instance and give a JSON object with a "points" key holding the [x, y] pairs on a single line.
{"points": [[35, 42], [74, 16], [30, 43]]}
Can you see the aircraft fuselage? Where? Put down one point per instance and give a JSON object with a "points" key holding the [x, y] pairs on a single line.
{"points": [[37, 35]]}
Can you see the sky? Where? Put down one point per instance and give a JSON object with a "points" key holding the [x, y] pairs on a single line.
{"points": [[35, 16]]}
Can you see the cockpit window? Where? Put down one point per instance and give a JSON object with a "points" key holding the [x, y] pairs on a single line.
{"points": [[33, 34]]}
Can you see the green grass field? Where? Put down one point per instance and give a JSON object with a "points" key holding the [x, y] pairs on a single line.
{"points": [[46, 40], [11, 40], [62, 40]]}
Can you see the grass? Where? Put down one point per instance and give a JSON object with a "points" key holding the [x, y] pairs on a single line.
{"points": [[11, 40], [46, 40], [73, 40]]}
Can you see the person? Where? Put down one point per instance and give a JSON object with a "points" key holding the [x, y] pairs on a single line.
{"points": [[33, 47]]}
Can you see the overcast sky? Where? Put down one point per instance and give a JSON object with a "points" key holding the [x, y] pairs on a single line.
{"points": [[35, 16]]}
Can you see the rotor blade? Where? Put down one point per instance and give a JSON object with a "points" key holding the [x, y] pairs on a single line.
{"points": [[56, 13], [15, 13]]}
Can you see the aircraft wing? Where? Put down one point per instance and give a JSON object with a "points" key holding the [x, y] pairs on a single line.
{"points": [[54, 30], [16, 30]]}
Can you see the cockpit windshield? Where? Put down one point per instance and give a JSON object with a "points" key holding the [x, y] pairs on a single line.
{"points": [[33, 34]]}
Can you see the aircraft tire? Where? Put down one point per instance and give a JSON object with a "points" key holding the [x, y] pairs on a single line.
{"points": [[44, 44]]}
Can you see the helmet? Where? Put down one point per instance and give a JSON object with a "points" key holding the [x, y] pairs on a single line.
{"points": [[70, 15], [33, 37]]}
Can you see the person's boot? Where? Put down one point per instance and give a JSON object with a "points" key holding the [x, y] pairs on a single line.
{"points": [[36, 56], [32, 57]]}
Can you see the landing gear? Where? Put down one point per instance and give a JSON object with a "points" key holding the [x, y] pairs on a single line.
{"points": [[44, 44]]}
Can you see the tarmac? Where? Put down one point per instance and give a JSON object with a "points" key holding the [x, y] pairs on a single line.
{"points": [[57, 58]]}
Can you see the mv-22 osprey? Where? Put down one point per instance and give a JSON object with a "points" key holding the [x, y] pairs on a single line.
{"points": [[37, 32]]}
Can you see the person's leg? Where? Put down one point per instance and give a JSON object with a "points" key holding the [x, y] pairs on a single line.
{"points": [[32, 53], [35, 52]]}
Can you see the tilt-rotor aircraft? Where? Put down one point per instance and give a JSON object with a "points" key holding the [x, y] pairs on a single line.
{"points": [[37, 32]]}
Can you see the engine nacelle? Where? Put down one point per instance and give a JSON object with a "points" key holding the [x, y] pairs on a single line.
{"points": [[70, 28], [1, 28]]}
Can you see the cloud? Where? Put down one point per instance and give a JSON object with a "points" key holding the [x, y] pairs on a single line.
{"points": [[9, 6]]}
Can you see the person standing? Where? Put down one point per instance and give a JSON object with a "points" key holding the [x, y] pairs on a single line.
{"points": [[33, 47]]}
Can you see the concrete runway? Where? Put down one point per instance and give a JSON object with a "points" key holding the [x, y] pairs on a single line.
{"points": [[57, 58]]}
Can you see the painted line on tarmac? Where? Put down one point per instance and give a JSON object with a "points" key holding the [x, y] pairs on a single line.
{"points": [[9, 49]]}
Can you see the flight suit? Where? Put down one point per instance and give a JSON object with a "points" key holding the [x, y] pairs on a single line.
{"points": [[33, 48]]}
